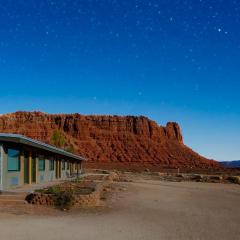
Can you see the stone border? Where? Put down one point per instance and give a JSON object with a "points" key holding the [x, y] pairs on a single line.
{"points": [[92, 199]]}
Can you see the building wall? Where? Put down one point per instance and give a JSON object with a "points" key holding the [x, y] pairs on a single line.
{"points": [[47, 175], [50, 175], [1, 176], [10, 179], [15, 179]]}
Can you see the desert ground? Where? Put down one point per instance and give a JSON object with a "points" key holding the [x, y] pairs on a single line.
{"points": [[138, 210]]}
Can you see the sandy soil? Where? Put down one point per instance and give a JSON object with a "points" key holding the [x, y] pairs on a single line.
{"points": [[140, 210]]}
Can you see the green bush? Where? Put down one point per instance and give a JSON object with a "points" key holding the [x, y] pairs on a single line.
{"points": [[50, 190], [40, 190], [70, 148], [58, 139], [53, 190], [234, 179], [64, 200], [78, 180]]}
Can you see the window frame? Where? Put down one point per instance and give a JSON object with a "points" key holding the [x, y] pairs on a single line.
{"points": [[68, 165], [41, 158], [63, 165], [51, 165], [19, 160]]}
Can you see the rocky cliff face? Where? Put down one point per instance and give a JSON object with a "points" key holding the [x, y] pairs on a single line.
{"points": [[111, 141]]}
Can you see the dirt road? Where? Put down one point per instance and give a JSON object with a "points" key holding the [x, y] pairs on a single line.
{"points": [[145, 210]]}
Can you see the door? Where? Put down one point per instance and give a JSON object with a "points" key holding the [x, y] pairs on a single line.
{"points": [[34, 169], [26, 168]]}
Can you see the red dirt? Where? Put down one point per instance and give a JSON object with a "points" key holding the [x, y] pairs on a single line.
{"points": [[112, 141]]}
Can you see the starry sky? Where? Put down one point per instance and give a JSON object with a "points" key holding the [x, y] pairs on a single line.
{"points": [[173, 60]]}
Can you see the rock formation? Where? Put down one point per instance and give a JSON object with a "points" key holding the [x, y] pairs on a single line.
{"points": [[111, 141]]}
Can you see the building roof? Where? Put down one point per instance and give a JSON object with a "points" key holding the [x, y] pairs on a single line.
{"points": [[17, 138]]}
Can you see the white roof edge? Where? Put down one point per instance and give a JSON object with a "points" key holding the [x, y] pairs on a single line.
{"points": [[35, 143]]}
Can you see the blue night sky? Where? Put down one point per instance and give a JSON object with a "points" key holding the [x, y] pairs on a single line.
{"points": [[173, 60]]}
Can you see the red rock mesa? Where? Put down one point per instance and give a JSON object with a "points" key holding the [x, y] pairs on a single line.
{"points": [[111, 141]]}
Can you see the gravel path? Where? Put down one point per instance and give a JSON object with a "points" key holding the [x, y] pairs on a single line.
{"points": [[145, 210]]}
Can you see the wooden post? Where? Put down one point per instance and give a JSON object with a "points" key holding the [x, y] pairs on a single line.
{"points": [[30, 168], [36, 169], [56, 169], [81, 167], [22, 167], [59, 169], [77, 169]]}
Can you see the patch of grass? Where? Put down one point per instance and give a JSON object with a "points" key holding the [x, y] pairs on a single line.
{"points": [[40, 190], [50, 190], [78, 179], [53, 190]]}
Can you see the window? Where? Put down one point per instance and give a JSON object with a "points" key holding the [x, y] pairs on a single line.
{"points": [[41, 164], [13, 160], [68, 165], [63, 165], [51, 165]]}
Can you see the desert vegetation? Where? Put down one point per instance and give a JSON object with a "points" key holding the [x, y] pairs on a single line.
{"points": [[58, 139]]}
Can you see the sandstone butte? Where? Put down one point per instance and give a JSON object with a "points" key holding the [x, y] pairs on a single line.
{"points": [[111, 141]]}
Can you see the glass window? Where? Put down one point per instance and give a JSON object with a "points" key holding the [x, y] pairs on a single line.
{"points": [[51, 165], [68, 165], [63, 165], [41, 164], [13, 160]]}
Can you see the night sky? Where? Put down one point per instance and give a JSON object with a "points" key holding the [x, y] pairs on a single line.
{"points": [[169, 60]]}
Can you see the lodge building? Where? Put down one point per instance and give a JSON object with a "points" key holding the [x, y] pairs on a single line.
{"points": [[24, 161]]}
